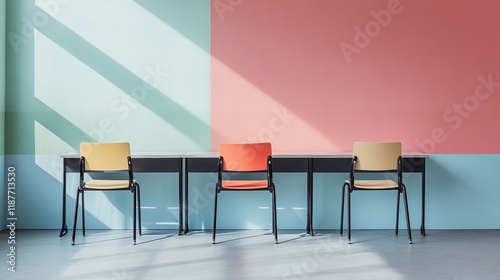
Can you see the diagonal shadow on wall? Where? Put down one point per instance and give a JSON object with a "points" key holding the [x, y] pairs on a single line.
{"points": [[166, 108], [59, 125], [185, 17]]}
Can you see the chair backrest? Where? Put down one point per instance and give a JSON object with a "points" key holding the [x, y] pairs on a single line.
{"points": [[105, 156], [245, 157], [377, 156]]}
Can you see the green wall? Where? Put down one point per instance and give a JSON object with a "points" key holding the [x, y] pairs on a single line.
{"points": [[81, 71]]}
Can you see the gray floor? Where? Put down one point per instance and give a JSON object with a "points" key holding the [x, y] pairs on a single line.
{"points": [[252, 254]]}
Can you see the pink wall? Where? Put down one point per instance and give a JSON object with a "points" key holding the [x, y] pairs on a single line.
{"points": [[317, 75]]}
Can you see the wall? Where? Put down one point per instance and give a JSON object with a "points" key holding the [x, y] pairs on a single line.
{"points": [[81, 71], [3, 191], [319, 75], [177, 76]]}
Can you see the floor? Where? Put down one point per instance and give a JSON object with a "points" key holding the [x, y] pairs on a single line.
{"points": [[252, 254]]}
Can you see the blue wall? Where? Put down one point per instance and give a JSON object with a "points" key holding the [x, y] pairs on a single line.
{"points": [[461, 194]]}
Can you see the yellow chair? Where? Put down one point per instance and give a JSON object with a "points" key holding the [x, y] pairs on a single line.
{"points": [[244, 159], [375, 157], [107, 158]]}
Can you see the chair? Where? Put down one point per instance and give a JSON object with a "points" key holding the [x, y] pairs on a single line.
{"points": [[114, 159], [375, 157], [236, 162]]}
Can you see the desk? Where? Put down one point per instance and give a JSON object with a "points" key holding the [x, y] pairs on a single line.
{"points": [[308, 163], [154, 163], [207, 162]]}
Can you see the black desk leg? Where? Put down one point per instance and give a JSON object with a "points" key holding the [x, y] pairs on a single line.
{"points": [[64, 226], [186, 189], [422, 227], [181, 204], [309, 226]]}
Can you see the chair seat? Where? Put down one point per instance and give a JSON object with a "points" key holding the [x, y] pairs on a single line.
{"points": [[244, 184], [107, 184], [374, 184]]}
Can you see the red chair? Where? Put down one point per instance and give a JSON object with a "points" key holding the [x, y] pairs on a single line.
{"points": [[244, 159]]}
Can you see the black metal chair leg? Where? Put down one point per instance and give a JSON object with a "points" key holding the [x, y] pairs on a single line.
{"points": [[349, 216], [273, 228], [75, 218], [83, 212], [138, 190], [397, 212], [275, 224], [342, 209], [407, 215], [135, 215], [215, 216]]}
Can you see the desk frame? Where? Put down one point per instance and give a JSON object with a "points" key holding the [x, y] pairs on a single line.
{"points": [[141, 164]]}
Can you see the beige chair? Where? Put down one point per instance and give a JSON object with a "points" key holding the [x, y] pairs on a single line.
{"points": [[109, 159], [249, 158], [374, 157]]}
